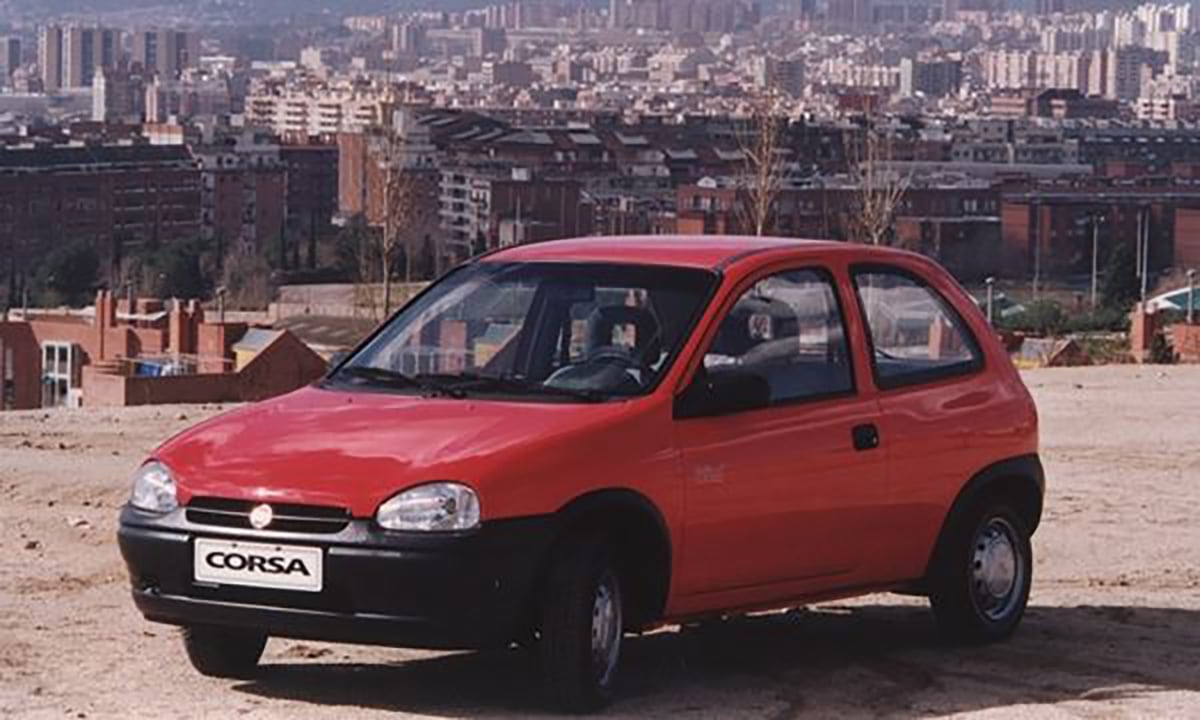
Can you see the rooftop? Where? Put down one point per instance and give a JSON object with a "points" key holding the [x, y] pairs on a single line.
{"points": [[58, 156], [708, 251]]}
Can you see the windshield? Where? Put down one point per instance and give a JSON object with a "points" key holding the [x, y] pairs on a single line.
{"points": [[583, 331]]}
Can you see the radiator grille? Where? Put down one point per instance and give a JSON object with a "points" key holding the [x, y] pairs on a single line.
{"points": [[288, 517]]}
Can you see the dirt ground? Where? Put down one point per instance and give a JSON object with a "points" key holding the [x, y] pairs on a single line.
{"points": [[1113, 628]]}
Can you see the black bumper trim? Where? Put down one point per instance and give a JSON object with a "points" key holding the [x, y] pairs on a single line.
{"points": [[318, 625], [445, 591]]}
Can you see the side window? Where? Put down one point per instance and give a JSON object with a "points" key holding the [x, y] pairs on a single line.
{"points": [[788, 330], [915, 335]]}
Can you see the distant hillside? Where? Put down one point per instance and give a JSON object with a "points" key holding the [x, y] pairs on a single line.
{"points": [[250, 10]]}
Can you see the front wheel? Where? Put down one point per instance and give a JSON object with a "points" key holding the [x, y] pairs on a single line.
{"points": [[223, 652], [982, 575], [582, 628]]}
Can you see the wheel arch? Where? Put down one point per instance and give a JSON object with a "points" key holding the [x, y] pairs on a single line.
{"points": [[640, 539], [1021, 479]]}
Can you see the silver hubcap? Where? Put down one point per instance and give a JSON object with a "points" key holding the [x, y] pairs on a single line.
{"points": [[997, 570], [606, 628]]}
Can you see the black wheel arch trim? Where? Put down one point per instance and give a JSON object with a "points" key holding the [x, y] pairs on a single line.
{"points": [[1004, 473], [587, 512]]}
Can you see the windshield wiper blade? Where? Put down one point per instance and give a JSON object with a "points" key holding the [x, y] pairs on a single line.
{"points": [[508, 383], [396, 378], [377, 374]]}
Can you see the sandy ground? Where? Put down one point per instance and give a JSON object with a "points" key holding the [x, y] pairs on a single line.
{"points": [[1113, 628]]}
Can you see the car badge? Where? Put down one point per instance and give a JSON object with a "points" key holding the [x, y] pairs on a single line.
{"points": [[261, 516]]}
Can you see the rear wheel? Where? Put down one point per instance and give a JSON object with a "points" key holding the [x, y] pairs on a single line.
{"points": [[982, 575], [582, 628], [224, 652]]}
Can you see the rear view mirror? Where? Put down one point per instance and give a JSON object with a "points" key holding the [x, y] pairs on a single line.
{"points": [[723, 393]]}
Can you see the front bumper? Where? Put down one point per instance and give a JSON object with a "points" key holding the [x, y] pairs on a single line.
{"points": [[446, 591]]}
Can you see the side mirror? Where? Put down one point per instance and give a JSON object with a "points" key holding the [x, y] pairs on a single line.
{"points": [[723, 393]]}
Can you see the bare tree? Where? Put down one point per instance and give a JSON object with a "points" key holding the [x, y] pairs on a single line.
{"points": [[379, 248], [246, 276], [879, 187], [400, 210], [764, 171]]}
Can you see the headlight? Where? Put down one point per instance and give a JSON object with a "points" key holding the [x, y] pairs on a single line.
{"points": [[153, 488], [432, 507]]}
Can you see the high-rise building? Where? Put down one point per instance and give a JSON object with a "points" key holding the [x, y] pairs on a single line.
{"points": [[118, 95], [1120, 73], [70, 56], [50, 57], [10, 56], [86, 50], [683, 15], [488, 41], [932, 77], [409, 39], [786, 76], [165, 51]]}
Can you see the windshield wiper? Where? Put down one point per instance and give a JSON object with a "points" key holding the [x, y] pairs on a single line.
{"points": [[395, 378], [507, 383]]}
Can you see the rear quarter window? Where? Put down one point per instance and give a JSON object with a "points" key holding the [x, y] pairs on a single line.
{"points": [[916, 335]]}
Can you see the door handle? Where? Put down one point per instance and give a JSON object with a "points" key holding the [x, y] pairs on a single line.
{"points": [[866, 437]]}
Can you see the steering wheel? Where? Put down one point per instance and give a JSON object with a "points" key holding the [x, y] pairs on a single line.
{"points": [[623, 366], [614, 355]]}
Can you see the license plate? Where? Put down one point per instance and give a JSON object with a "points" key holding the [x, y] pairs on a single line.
{"points": [[283, 567]]}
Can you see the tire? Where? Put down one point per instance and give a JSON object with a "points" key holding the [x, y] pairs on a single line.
{"points": [[224, 652], [982, 573], [581, 629]]}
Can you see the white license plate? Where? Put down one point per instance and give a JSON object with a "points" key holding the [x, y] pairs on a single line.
{"points": [[232, 562]]}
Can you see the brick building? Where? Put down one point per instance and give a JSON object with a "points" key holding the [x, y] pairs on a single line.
{"points": [[144, 351], [244, 184], [312, 196], [957, 224], [113, 196], [486, 207], [1049, 227]]}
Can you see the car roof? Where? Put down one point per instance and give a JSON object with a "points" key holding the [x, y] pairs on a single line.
{"points": [[698, 251]]}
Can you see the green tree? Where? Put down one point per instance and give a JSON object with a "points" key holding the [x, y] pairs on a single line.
{"points": [[68, 274], [1044, 317], [1120, 287], [348, 250], [178, 270]]}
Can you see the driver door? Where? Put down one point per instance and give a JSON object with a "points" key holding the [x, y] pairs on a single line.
{"points": [[780, 500]]}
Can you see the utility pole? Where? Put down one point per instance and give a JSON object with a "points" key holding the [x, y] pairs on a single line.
{"points": [[1096, 220], [1145, 266], [1137, 265], [1191, 301], [991, 281], [1037, 251]]}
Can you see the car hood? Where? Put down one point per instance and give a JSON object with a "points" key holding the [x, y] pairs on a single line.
{"points": [[355, 449]]}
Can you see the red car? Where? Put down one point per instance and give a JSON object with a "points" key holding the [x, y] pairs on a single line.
{"points": [[557, 444]]}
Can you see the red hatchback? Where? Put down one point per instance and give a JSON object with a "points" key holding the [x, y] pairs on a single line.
{"points": [[560, 443]]}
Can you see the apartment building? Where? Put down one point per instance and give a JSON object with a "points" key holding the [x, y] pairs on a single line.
{"points": [[316, 111], [487, 207], [111, 195], [311, 196], [69, 56], [243, 190], [10, 57], [164, 51]]}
